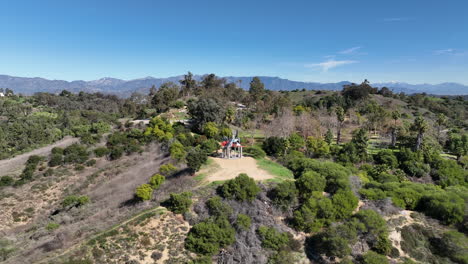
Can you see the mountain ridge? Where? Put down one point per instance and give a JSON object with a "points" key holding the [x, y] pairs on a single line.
{"points": [[110, 85]]}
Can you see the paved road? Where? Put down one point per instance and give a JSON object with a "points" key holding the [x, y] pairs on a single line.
{"points": [[16, 163]]}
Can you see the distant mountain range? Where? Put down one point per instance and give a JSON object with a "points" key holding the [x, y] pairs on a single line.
{"points": [[125, 88]]}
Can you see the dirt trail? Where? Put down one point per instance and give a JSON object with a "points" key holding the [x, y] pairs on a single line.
{"points": [[16, 164], [395, 232], [231, 168]]}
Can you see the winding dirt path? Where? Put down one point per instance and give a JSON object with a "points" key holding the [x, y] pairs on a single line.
{"points": [[15, 164]]}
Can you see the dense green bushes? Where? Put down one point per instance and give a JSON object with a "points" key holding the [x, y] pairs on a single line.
{"points": [[452, 245], [275, 146], [313, 214], [75, 201], [75, 153], [217, 208], [243, 222], [367, 226], [6, 181], [31, 165], [177, 151], [241, 188], [372, 257], [310, 182], [386, 157], [156, 181], [209, 236], [271, 238], [129, 142], [179, 203], [101, 151], [254, 151], [144, 192], [196, 157], [445, 205], [284, 194]]}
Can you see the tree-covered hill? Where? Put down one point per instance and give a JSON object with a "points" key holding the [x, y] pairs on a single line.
{"points": [[379, 177]]}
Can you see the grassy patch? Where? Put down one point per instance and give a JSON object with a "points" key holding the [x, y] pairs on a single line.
{"points": [[280, 172]]}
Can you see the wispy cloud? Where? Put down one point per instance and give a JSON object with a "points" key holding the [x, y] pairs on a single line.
{"points": [[453, 52], [444, 51], [330, 64], [396, 19], [350, 50]]}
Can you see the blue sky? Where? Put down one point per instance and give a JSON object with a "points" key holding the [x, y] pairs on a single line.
{"points": [[413, 41]]}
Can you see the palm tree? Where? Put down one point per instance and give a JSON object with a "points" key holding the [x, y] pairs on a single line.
{"points": [[420, 126], [441, 121], [340, 116], [188, 84], [395, 116]]}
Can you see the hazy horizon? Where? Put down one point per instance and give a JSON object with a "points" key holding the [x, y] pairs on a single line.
{"points": [[413, 42]]}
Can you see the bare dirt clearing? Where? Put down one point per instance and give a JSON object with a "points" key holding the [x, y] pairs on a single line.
{"points": [[16, 164], [231, 168]]}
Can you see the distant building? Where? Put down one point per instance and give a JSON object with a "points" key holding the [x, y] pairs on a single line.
{"points": [[2, 94]]}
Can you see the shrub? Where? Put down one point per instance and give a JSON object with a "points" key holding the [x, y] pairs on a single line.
{"points": [[274, 146], [453, 245], [309, 182], [179, 203], [196, 157], [101, 151], [445, 206], [6, 181], [375, 231], [386, 157], [284, 194], [52, 226], [317, 147], [156, 181], [295, 142], [178, 104], [209, 146], [75, 153], [167, 169], [241, 188], [90, 162], [282, 257], [55, 160], [344, 203], [201, 260], [372, 257], [334, 242], [57, 150], [217, 208], [48, 172], [177, 151], [210, 130], [116, 153], [271, 238], [243, 222], [305, 218], [75, 201], [31, 165], [226, 132], [254, 151], [208, 237], [144, 192]]}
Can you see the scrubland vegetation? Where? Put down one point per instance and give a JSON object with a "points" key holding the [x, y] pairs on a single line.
{"points": [[347, 166]]}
